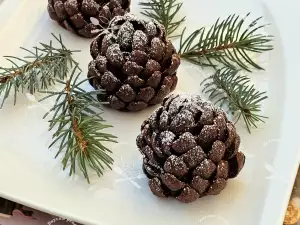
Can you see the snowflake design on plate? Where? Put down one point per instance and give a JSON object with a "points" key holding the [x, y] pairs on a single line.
{"points": [[213, 219], [129, 168], [267, 143], [204, 213], [36, 104], [274, 174]]}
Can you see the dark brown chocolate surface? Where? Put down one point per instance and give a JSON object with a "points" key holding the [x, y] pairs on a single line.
{"points": [[134, 63], [75, 15], [190, 149]]}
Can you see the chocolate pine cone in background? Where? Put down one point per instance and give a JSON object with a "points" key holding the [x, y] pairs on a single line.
{"points": [[134, 63], [189, 149], [75, 15]]}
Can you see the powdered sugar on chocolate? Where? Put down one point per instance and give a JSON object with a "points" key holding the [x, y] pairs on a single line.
{"points": [[71, 7], [194, 161], [125, 34], [127, 17], [151, 29], [167, 137], [114, 55], [90, 7], [140, 40]]}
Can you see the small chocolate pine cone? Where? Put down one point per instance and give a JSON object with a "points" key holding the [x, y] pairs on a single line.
{"points": [[75, 15], [189, 149], [134, 63]]}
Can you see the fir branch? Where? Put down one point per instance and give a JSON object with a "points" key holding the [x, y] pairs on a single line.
{"points": [[228, 42], [38, 69], [226, 86], [78, 128], [164, 11]]}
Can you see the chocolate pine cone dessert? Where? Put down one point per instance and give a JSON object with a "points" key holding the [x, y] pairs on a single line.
{"points": [[75, 15], [189, 149], [134, 63]]}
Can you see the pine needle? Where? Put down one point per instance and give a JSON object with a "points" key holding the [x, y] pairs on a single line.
{"points": [[165, 12], [37, 70], [78, 128], [228, 42], [244, 101]]}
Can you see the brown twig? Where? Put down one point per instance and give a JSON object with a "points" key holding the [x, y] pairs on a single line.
{"points": [[9, 77], [78, 133], [207, 51]]}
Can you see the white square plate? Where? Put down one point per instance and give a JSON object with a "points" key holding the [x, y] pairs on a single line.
{"points": [[29, 174]]}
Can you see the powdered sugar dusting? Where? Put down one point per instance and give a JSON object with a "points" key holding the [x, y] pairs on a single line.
{"points": [[155, 186], [189, 102], [181, 138], [114, 55], [90, 5], [151, 29], [125, 34], [185, 142], [101, 60], [126, 17], [205, 169], [72, 4], [194, 157], [176, 166], [182, 122], [157, 49], [131, 17], [207, 165], [140, 40], [167, 137]]}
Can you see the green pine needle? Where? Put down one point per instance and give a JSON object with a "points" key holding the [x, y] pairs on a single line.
{"points": [[228, 42], [79, 128], [244, 101], [37, 70], [164, 11]]}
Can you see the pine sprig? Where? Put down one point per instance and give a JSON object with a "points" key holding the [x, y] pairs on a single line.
{"points": [[226, 86], [164, 11], [79, 128], [228, 42], [37, 70]]}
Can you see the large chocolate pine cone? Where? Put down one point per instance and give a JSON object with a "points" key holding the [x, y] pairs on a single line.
{"points": [[189, 149], [134, 63], [75, 15]]}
